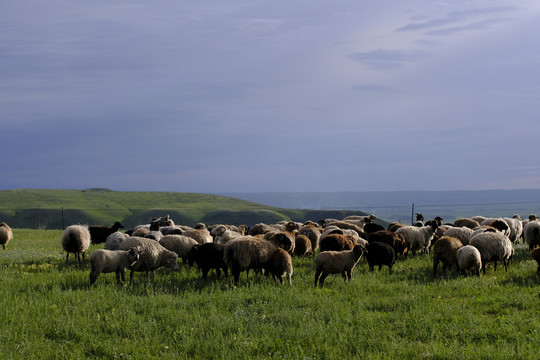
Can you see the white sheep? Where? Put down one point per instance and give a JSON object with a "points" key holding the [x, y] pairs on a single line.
{"points": [[462, 233], [113, 241], [5, 234], [106, 261], [468, 258], [337, 262], [515, 227], [504, 228], [222, 234], [418, 238], [493, 246], [180, 244], [76, 240], [151, 257]]}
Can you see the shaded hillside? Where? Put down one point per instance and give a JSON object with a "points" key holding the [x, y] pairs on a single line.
{"points": [[53, 209]]}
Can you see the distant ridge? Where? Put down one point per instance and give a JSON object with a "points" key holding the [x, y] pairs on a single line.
{"points": [[397, 205]]}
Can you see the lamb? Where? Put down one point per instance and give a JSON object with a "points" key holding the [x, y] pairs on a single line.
{"points": [[379, 253], [113, 241], [179, 244], [245, 253], [462, 233], [418, 238], [337, 262], [468, 258], [5, 234], [99, 233], [395, 240], [337, 242], [302, 246], [531, 234], [536, 257], [493, 246], [106, 261], [279, 265], [208, 256], [152, 256], [445, 251], [76, 240]]}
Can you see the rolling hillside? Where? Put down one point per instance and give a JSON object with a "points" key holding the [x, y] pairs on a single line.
{"points": [[55, 209]]}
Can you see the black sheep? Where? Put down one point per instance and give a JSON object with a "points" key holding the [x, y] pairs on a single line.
{"points": [[208, 256], [380, 254], [99, 233]]}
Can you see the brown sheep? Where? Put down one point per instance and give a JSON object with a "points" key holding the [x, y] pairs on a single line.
{"points": [[536, 257], [245, 253], [281, 239], [467, 222], [279, 265], [394, 226], [445, 251], [5, 234], [302, 246], [337, 242]]}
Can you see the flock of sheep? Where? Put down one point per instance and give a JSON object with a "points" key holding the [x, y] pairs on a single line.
{"points": [[470, 243]]}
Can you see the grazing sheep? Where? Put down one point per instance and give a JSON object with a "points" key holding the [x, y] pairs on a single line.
{"points": [[468, 258], [313, 232], [372, 227], [394, 226], [395, 240], [499, 224], [139, 231], [76, 240], [302, 245], [493, 246], [379, 253], [515, 227], [345, 225], [279, 265], [223, 234], [152, 256], [99, 233], [445, 250], [419, 220], [535, 254], [106, 261], [245, 253], [467, 222], [337, 262], [113, 241], [281, 239], [200, 234], [261, 229], [462, 233], [179, 244], [337, 242], [208, 256], [5, 234], [418, 238], [531, 234]]}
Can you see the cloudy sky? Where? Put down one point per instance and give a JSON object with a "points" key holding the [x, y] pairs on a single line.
{"points": [[240, 96]]}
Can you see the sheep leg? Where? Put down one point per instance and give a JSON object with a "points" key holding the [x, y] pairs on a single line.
{"points": [[435, 264], [218, 272], [318, 274], [321, 279], [131, 274], [380, 267], [205, 272], [349, 275], [67, 255]]}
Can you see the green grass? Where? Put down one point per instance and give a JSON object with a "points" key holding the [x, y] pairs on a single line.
{"points": [[50, 311]]}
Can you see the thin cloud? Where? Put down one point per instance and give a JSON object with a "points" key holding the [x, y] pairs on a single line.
{"points": [[456, 17], [472, 26], [388, 58]]}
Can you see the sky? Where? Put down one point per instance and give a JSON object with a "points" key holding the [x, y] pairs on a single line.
{"points": [[261, 96]]}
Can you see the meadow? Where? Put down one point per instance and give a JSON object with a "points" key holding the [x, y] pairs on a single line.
{"points": [[50, 311]]}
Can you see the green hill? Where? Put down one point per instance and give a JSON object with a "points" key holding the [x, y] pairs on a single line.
{"points": [[55, 209]]}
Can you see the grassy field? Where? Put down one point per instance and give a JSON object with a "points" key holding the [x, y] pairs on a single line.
{"points": [[49, 311]]}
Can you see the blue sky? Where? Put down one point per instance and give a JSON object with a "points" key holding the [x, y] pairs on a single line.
{"points": [[243, 96]]}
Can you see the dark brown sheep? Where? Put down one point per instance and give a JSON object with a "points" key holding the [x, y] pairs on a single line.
{"points": [[395, 240], [279, 265], [281, 239], [302, 246], [99, 233], [208, 256], [467, 222], [536, 257], [379, 254], [245, 253]]}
